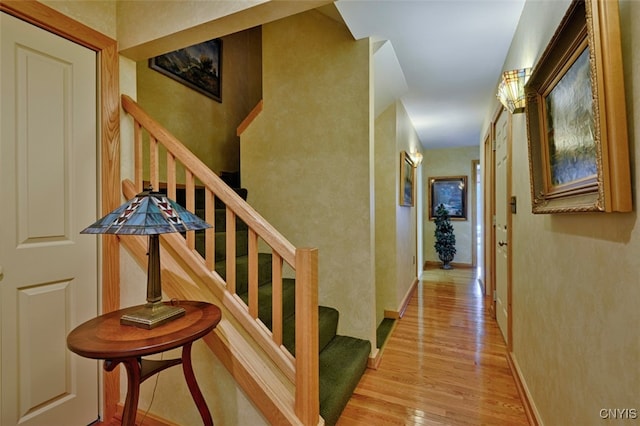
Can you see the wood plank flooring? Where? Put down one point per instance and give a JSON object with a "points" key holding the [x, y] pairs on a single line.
{"points": [[444, 363]]}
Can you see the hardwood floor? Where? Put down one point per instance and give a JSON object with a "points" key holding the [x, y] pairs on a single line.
{"points": [[444, 363], [142, 419]]}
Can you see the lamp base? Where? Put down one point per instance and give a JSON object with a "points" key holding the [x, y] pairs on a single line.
{"points": [[152, 315]]}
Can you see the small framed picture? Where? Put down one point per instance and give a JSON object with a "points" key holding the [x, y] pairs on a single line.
{"points": [[450, 191], [407, 180]]}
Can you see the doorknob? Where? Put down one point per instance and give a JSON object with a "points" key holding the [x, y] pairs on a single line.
{"points": [[502, 243]]}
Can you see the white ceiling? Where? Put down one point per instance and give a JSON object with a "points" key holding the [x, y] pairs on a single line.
{"points": [[448, 58]]}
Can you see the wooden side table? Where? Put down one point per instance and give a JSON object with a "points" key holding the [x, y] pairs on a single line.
{"points": [[105, 338]]}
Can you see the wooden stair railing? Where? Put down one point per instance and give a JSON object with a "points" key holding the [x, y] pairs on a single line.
{"points": [[302, 370]]}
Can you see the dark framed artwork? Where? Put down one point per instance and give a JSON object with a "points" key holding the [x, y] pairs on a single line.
{"points": [[197, 66], [576, 117], [407, 180], [450, 191]]}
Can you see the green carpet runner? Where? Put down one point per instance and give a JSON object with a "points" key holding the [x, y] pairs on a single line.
{"points": [[343, 359]]}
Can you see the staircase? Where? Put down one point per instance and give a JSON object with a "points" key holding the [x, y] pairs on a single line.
{"points": [[275, 311], [342, 359]]}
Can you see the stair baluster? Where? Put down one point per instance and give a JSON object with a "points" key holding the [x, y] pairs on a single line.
{"points": [[304, 371]]}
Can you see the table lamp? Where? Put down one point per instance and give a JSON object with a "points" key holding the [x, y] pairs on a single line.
{"points": [[149, 213]]}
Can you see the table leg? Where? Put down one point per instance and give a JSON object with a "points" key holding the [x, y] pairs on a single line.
{"points": [[193, 386], [132, 366]]}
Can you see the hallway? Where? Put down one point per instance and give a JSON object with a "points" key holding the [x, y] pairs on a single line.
{"points": [[444, 363]]}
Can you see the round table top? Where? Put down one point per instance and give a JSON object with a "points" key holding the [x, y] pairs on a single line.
{"points": [[104, 337]]}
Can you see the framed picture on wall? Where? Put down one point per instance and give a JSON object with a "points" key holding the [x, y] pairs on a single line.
{"points": [[576, 116], [450, 191], [197, 67], [407, 180]]}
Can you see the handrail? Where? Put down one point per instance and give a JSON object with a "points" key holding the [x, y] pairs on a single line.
{"points": [[249, 119], [303, 370], [210, 180]]}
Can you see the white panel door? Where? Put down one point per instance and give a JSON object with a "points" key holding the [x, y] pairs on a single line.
{"points": [[48, 145], [502, 233]]}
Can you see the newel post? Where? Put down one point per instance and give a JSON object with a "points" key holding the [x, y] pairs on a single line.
{"points": [[307, 406]]}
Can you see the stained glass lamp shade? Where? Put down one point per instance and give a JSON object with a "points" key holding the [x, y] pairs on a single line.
{"points": [[149, 213], [511, 89]]}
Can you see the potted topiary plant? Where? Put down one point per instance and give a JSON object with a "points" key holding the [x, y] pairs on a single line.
{"points": [[445, 238]]}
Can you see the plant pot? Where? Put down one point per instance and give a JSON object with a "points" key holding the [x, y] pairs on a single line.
{"points": [[446, 260]]}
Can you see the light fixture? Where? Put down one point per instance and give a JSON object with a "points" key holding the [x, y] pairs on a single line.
{"points": [[511, 89], [149, 213], [416, 158]]}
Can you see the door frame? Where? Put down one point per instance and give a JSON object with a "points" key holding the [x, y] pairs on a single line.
{"points": [[510, 233], [488, 215], [475, 164], [489, 218], [106, 49]]}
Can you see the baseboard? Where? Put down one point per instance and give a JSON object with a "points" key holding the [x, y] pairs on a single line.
{"points": [[482, 286], [432, 264], [149, 419], [407, 297], [376, 358], [405, 302], [394, 315], [529, 407]]}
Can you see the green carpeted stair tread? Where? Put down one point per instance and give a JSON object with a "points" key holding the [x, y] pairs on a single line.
{"points": [[343, 359], [265, 292], [220, 243], [220, 225], [327, 328], [242, 244], [342, 364], [242, 271], [199, 197]]}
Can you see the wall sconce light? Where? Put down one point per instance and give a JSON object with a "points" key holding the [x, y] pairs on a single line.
{"points": [[416, 158], [511, 89]]}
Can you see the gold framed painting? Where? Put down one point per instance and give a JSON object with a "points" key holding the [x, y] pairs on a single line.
{"points": [[451, 192], [407, 180], [576, 117]]}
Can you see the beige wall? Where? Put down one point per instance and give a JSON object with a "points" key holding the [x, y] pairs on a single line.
{"points": [[99, 15], [305, 160], [450, 162], [406, 237], [205, 126], [228, 403], [385, 213], [170, 25], [209, 129], [395, 225], [170, 398], [576, 285]]}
